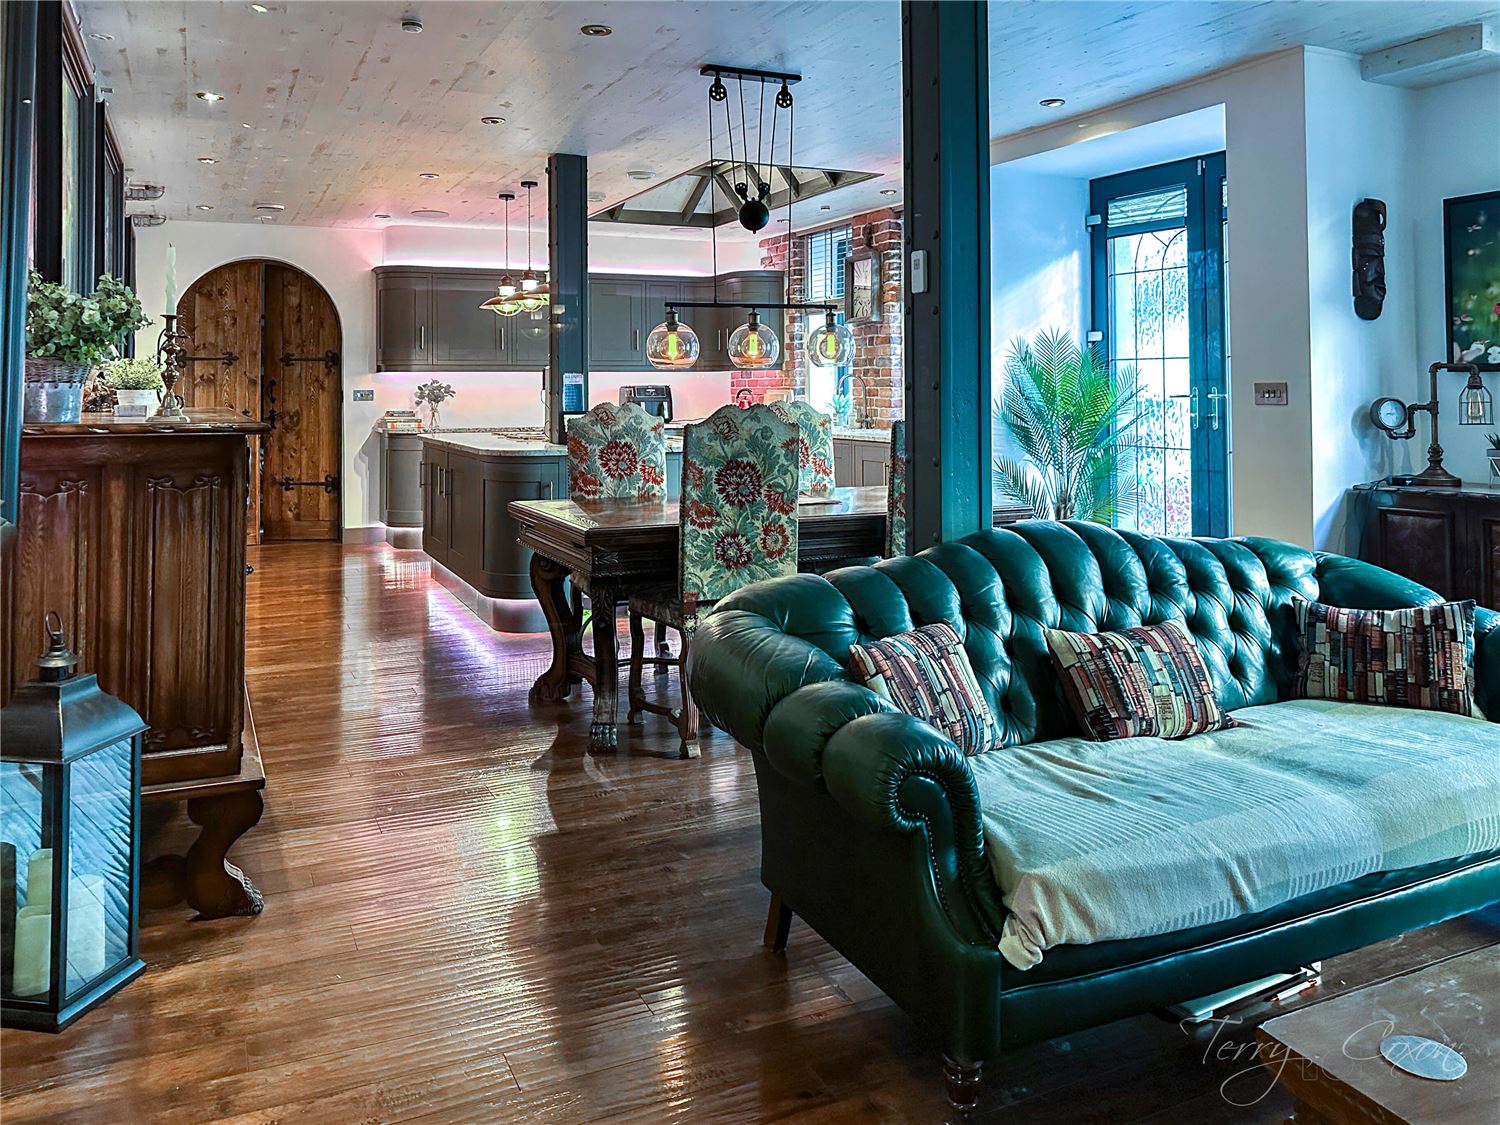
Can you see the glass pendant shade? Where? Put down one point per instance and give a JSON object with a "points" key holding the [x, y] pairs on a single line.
{"points": [[831, 345], [752, 344], [530, 283], [1475, 406], [503, 305], [531, 301], [672, 345], [536, 323], [507, 286]]}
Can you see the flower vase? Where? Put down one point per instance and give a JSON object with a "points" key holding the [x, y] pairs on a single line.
{"points": [[433, 420]]}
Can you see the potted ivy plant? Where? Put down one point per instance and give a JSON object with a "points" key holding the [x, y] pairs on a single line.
{"points": [[67, 334], [433, 394], [137, 384]]}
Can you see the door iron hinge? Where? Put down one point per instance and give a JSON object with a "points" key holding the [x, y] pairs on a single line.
{"points": [[329, 359], [329, 483]]}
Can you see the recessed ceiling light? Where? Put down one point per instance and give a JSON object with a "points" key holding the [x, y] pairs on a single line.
{"points": [[429, 213], [101, 36], [825, 207], [380, 215], [1052, 103], [783, 220], [492, 121], [411, 25], [427, 175], [205, 206], [209, 96], [596, 30], [208, 160], [246, 125], [259, 8], [641, 174], [888, 191], [270, 207]]}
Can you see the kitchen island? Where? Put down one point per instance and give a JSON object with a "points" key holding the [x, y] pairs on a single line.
{"points": [[467, 482]]}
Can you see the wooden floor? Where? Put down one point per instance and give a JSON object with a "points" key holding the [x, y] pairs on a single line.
{"points": [[469, 919]]}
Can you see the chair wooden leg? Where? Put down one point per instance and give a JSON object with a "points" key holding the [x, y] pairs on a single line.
{"points": [[961, 1084], [663, 650], [637, 655], [778, 925], [687, 721]]}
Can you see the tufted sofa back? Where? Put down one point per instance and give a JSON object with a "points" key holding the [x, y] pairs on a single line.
{"points": [[1001, 588]]}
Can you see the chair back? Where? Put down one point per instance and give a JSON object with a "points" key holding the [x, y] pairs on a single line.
{"points": [[739, 501], [814, 444], [895, 494], [617, 452]]}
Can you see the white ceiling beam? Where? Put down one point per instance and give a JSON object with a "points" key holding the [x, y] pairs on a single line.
{"points": [[1434, 59]]}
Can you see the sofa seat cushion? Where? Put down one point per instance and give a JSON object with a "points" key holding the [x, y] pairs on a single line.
{"points": [[1104, 841]]}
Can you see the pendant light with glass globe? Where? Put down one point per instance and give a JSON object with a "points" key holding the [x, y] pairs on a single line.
{"points": [[534, 291], [505, 302]]}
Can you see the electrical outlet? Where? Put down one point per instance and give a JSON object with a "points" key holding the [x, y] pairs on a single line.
{"points": [[364, 394], [1270, 394]]}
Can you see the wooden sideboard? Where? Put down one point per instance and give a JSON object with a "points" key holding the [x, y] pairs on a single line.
{"points": [[1448, 539], [134, 532]]}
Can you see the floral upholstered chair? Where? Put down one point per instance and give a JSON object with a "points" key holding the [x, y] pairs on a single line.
{"points": [[617, 452], [814, 444], [895, 496], [738, 525]]}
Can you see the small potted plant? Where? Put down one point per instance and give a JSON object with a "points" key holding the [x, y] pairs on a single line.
{"points": [[433, 394], [66, 335], [137, 384]]}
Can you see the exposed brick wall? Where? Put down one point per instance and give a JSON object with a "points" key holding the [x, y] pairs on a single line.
{"points": [[877, 384]]}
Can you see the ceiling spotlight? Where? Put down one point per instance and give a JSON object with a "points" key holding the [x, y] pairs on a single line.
{"points": [[101, 36], [209, 96], [825, 207], [246, 125], [427, 175], [411, 25], [147, 219], [492, 121], [205, 206], [596, 30], [888, 191], [259, 8], [270, 207], [1052, 103], [641, 174], [429, 213], [208, 160], [380, 215]]}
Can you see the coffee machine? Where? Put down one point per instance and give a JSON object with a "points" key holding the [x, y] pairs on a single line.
{"points": [[652, 398]]}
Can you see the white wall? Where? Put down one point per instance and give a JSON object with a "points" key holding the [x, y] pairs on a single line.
{"points": [[341, 260], [1039, 251], [1268, 278], [1454, 149], [1357, 137]]}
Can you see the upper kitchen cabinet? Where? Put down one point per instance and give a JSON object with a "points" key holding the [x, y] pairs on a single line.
{"points": [[430, 320], [404, 319]]}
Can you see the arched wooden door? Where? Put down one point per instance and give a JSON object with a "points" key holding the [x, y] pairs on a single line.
{"points": [[279, 333]]}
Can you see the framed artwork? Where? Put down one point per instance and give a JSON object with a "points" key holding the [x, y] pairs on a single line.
{"points": [[1471, 261], [861, 288]]}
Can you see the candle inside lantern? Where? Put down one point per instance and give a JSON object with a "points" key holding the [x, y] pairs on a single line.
{"points": [[32, 974], [86, 927], [171, 309], [39, 878]]}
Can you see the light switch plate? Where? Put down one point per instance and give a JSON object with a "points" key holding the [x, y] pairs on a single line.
{"points": [[1270, 394], [364, 394]]}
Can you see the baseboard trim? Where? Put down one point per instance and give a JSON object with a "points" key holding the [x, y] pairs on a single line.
{"points": [[374, 533]]}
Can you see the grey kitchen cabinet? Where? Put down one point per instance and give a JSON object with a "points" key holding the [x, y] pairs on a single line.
{"points": [[401, 477], [464, 336], [435, 502], [404, 319], [465, 495], [526, 340], [617, 317], [858, 462]]}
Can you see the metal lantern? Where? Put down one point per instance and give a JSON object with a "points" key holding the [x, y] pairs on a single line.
{"points": [[69, 844]]}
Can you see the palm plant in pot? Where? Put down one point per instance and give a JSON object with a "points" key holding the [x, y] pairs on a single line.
{"points": [[1073, 423], [66, 335]]}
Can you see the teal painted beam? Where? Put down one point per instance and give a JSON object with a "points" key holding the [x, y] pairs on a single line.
{"points": [[568, 281], [945, 80]]}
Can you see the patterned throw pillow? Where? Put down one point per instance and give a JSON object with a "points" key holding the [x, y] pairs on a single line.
{"points": [[1421, 657], [926, 673], [1148, 681]]}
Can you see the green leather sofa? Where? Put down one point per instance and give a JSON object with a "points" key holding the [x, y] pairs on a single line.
{"points": [[870, 820]]}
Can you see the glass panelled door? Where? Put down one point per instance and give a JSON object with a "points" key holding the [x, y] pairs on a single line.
{"points": [[1158, 242]]}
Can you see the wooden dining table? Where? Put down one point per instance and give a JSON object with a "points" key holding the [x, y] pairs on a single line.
{"points": [[611, 548]]}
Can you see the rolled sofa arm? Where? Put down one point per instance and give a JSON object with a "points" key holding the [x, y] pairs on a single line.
{"points": [[1343, 581]]}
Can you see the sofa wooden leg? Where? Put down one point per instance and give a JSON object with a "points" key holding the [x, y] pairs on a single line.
{"points": [[961, 1084], [778, 925]]}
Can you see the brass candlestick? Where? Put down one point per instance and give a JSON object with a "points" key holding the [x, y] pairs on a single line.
{"points": [[171, 353]]}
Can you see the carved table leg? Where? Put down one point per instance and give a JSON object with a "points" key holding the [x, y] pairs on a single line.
{"points": [[663, 650], [549, 583], [213, 886], [602, 735]]}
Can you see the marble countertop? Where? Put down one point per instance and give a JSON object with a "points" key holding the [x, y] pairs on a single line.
{"points": [[523, 441]]}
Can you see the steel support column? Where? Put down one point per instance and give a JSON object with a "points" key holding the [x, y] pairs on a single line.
{"points": [[945, 83], [568, 278]]}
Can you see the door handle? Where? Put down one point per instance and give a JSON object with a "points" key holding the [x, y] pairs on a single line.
{"points": [[422, 338], [635, 339], [1192, 407], [1213, 406]]}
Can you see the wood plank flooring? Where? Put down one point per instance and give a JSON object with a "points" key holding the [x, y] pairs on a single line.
{"points": [[469, 919]]}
